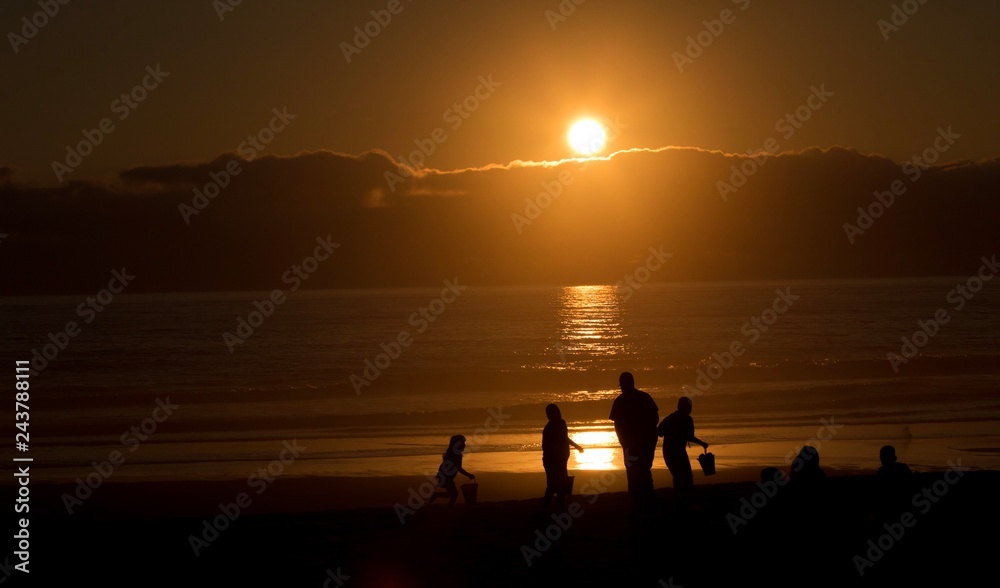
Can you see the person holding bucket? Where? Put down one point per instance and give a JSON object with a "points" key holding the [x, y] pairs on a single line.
{"points": [[451, 466], [677, 430], [555, 454]]}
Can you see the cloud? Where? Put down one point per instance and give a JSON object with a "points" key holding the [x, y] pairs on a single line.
{"points": [[581, 220]]}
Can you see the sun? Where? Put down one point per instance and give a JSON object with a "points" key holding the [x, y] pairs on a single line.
{"points": [[587, 136]]}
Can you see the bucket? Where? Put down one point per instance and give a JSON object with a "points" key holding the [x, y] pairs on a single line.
{"points": [[469, 492], [568, 486], [707, 461]]}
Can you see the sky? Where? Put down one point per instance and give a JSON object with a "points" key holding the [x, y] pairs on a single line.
{"points": [[207, 145], [891, 88]]}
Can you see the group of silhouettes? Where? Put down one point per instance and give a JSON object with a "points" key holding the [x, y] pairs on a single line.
{"points": [[636, 419]]}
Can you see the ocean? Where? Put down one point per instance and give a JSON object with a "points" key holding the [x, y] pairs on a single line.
{"points": [[204, 386]]}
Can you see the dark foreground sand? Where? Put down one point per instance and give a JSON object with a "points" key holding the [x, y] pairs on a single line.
{"points": [[139, 535]]}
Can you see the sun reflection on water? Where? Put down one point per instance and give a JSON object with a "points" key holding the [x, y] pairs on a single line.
{"points": [[595, 438], [598, 458], [590, 326], [600, 449]]}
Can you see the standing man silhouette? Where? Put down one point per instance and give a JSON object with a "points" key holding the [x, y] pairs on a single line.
{"points": [[635, 415]]}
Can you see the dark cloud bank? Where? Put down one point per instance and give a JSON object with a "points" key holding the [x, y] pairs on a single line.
{"points": [[501, 224]]}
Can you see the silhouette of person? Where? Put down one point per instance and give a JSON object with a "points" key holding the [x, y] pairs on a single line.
{"points": [[811, 507], [772, 480], [555, 454], [451, 466], [807, 486], [635, 415], [805, 468], [894, 483], [677, 430], [891, 468]]}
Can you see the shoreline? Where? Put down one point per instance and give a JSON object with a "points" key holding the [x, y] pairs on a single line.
{"points": [[295, 495]]}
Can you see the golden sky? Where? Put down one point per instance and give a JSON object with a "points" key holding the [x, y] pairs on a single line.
{"points": [[717, 75]]}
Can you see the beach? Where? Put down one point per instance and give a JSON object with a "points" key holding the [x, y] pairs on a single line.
{"points": [[736, 532]]}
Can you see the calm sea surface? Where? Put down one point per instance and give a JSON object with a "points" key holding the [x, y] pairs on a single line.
{"points": [[766, 362]]}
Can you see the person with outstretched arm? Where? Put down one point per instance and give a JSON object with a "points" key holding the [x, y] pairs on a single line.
{"points": [[677, 430], [555, 455]]}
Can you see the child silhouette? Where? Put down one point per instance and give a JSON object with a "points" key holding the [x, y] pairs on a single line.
{"points": [[451, 466]]}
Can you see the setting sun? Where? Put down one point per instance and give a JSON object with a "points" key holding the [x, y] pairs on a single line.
{"points": [[587, 136]]}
